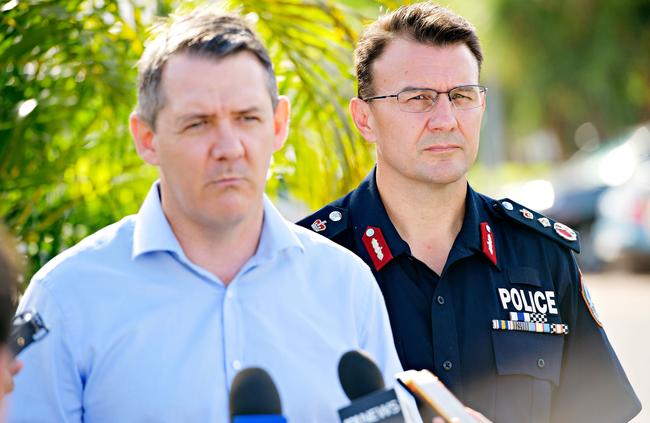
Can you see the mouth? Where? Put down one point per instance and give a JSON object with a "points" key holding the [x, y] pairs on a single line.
{"points": [[442, 148], [226, 181]]}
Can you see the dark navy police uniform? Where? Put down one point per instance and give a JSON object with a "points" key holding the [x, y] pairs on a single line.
{"points": [[508, 326]]}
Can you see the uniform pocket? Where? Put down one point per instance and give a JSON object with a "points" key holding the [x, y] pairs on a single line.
{"points": [[528, 353], [529, 366]]}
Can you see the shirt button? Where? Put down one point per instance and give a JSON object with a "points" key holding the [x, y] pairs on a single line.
{"points": [[440, 299], [541, 363], [447, 365], [229, 295], [236, 364]]}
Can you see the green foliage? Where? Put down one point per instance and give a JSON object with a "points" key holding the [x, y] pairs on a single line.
{"points": [[311, 43], [67, 164]]}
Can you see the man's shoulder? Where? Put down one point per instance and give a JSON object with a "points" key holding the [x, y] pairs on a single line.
{"points": [[330, 220], [105, 248], [320, 246], [522, 218]]}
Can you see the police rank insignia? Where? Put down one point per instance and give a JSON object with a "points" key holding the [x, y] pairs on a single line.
{"points": [[526, 213], [487, 243], [377, 247], [561, 233]]}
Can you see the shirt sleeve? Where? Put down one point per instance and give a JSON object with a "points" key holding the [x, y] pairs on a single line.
{"points": [[593, 384], [49, 387]]}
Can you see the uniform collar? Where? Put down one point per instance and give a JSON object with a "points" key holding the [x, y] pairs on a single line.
{"points": [[469, 240], [152, 231], [367, 210]]}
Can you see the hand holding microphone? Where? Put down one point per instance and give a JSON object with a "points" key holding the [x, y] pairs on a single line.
{"points": [[363, 383]]}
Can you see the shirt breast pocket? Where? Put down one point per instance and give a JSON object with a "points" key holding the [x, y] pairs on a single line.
{"points": [[528, 365]]}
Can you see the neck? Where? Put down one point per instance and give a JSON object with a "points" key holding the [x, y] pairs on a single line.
{"points": [[427, 216], [223, 249]]}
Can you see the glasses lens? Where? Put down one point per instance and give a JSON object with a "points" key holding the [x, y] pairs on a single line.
{"points": [[416, 101], [467, 97]]}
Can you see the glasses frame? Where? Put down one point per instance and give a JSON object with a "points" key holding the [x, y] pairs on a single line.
{"points": [[482, 90]]}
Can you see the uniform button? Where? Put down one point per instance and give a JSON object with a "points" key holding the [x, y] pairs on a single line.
{"points": [[440, 299], [541, 363], [447, 365], [236, 364]]}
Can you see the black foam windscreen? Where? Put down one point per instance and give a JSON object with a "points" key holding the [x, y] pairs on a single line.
{"points": [[359, 375], [252, 393]]}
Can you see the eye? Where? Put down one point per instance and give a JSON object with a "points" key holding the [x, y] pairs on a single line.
{"points": [[250, 118], [464, 94], [196, 124], [418, 96], [459, 96]]}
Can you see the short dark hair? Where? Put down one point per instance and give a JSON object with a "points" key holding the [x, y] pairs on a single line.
{"points": [[425, 23], [205, 33], [9, 273]]}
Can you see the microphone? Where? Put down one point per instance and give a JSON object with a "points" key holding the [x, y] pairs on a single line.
{"points": [[364, 385], [254, 398], [27, 327]]}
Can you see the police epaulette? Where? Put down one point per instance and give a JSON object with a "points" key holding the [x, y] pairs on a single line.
{"points": [[328, 221], [556, 231]]}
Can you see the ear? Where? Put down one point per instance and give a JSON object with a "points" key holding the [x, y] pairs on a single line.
{"points": [[363, 118], [143, 138], [281, 122]]}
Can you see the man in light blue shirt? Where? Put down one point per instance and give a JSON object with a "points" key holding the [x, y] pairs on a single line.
{"points": [[152, 317]]}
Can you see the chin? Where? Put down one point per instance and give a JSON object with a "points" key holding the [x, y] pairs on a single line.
{"points": [[441, 178]]}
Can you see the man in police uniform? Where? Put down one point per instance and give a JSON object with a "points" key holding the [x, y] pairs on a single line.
{"points": [[484, 293]]}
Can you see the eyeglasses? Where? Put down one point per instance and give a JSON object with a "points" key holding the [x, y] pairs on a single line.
{"points": [[420, 100]]}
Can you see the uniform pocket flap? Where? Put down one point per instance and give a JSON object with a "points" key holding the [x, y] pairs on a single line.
{"points": [[524, 275], [527, 353]]}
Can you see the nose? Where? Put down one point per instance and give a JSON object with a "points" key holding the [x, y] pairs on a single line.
{"points": [[442, 118], [226, 143]]}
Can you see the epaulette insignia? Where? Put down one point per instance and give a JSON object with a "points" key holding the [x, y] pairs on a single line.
{"points": [[328, 221], [556, 231]]}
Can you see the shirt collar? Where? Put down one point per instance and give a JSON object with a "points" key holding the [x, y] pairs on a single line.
{"points": [[468, 240], [278, 234], [153, 232]]}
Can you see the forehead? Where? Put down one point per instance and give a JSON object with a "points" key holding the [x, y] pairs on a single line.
{"points": [[405, 63], [194, 80]]}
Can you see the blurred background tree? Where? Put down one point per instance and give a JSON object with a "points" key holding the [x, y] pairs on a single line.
{"points": [[564, 63], [68, 167]]}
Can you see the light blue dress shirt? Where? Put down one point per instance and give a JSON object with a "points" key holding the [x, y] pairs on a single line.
{"points": [[138, 333]]}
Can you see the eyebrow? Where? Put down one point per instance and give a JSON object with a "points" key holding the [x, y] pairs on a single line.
{"points": [[252, 109], [191, 116], [410, 87]]}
